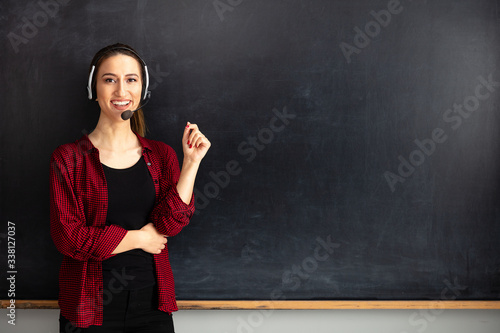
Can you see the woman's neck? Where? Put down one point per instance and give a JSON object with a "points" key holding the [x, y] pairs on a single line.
{"points": [[116, 137]]}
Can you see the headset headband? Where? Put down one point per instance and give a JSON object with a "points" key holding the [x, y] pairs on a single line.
{"points": [[146, 83]]}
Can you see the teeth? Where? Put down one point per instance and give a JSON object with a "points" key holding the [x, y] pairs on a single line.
{"points": [[121, 103]]}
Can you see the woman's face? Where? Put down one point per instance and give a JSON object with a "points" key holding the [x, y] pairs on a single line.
{"points": [[118, 85]]}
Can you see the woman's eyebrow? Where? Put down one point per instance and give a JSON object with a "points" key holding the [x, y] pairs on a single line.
{"points": [[112, 74]]}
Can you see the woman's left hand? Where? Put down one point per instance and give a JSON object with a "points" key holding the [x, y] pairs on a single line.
{"points": [[194, 144]]}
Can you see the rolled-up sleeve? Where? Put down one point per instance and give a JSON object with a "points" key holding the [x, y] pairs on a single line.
{"points": [[171, 213]]}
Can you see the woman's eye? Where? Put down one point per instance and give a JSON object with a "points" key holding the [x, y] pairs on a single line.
{"points": [[109, 80], [132, 80]]}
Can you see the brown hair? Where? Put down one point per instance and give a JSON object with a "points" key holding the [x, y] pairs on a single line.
{"points": [[137, 122]]}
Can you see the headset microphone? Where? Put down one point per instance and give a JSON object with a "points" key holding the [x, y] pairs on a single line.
{"points": [[126, 115]]}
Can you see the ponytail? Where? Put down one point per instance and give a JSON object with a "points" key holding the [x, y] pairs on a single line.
{"points": [[138, 123]]}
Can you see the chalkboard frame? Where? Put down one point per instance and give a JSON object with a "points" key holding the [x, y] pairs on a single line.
{"points": [[296, 305]]}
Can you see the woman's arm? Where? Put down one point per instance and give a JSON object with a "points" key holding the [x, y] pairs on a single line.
{"points": [[147, 239], [175, 206]]}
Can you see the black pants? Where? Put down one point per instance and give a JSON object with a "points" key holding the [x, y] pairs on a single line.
{"points": [[129, 311]]}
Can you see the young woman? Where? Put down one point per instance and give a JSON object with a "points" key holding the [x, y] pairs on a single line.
{"points": [[115, 198]]}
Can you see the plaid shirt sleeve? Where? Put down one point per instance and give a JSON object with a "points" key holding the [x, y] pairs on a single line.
{"points": [[170, 214], [74, 235]]}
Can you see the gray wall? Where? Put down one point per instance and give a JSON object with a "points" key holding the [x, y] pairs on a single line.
{"points": [[317, 321]]}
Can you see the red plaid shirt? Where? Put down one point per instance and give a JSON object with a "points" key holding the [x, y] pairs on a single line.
{"points": [[78, 206]]}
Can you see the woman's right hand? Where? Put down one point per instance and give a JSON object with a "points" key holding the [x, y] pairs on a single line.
{"points": [[152, 241]]}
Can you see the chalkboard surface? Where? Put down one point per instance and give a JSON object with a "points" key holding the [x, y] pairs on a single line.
{"points": [[355, 144]]}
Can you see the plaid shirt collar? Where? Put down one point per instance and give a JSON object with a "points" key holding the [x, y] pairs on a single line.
{"points": [[88, 148]]}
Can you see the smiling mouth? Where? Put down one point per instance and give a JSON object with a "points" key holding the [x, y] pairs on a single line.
{"points": [[120, 103]]}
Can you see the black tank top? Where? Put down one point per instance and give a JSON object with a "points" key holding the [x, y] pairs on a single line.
{"points": [[131, 197]]}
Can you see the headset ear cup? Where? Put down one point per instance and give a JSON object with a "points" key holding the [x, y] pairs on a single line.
{"points": [[90, 91], [146, 83]]}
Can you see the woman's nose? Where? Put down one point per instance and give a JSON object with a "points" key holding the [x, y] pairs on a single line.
{"points": [[120, 88]]}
